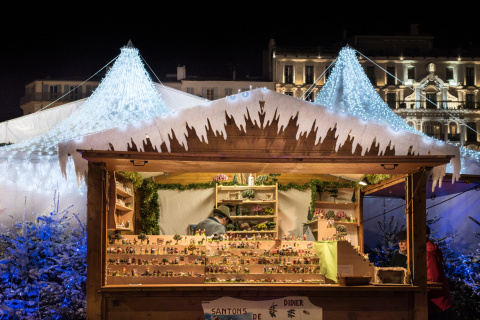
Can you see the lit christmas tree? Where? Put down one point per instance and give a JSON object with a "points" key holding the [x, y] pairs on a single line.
{"points": [[349, 90], [43, 270], [126, 95]]}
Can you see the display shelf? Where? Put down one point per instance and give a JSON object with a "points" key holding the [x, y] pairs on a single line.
{"points": [[155, 260], [336, 204], [161, 260], [263, 262], [247, 202], [123, 193], [252, 217], [254, 231], [325, 228], [123, 204], [122, 208], [266, 197], [255, 187]]}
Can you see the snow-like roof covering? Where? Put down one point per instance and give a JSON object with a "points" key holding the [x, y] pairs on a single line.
{"points": [[40, 122], [35, 124], [277, 106]]}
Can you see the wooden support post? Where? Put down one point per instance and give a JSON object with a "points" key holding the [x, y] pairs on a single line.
{"points": [[415, 204], [359, 212], [96, 213]]}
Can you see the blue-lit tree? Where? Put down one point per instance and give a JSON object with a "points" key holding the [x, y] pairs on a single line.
{"points": [[43, 268], [463, 273], [383, 252]]}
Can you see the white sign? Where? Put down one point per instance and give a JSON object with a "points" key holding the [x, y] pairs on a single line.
{"points": [[345, 270], [288, 308]]}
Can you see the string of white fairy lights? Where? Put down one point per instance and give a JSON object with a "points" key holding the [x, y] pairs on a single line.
{"points": [[78, 86], [314, 84]]}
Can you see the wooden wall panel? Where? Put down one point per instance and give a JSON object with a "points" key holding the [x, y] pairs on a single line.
{"points": [[198, 177], [338, 303], [96, 228]]}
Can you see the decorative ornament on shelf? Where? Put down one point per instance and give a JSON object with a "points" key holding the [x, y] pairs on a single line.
{"points": [[353, 197], [117, 236], [245, 212], [191, 247], [334, 193], [341, 215], [142, 236], [262, 179], [257, 210], [251, 180], [341, 231], [235, 179], [268, 210], [248, 194], [274, 176], [271, 225], [261, 227], [330, 214], [177, 238], [219, 178]]}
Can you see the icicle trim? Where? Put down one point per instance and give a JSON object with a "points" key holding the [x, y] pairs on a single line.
{"points": [[277, 107]]}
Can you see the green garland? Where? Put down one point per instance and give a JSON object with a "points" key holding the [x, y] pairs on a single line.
{"points": [[150, 210], [135, 177], [377, 178]]}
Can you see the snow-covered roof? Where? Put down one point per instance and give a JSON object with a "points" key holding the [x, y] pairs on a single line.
{"points": [[38, 123], [311, 119]]}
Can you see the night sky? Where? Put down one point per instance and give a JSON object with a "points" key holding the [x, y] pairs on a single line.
{"points": [[78, 42]]}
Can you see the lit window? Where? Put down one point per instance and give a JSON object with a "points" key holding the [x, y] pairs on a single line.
{"points": [[453, 128], [433, 129]]}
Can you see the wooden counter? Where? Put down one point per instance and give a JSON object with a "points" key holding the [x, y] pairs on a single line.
{"points": [[185, 301]]}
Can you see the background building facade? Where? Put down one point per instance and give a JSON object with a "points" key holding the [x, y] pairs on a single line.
{"points": [[48, 93]]}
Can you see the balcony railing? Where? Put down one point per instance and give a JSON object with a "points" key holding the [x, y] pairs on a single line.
{"points": [[47, 96], [435, 105]]}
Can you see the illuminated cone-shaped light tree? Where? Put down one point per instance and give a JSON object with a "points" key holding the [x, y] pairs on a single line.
{"points": [[349, 90], [125, 95]]}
